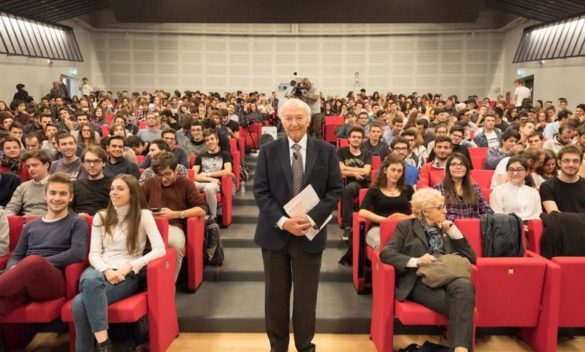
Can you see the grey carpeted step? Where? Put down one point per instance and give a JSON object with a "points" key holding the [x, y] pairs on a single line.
{"points": [[245, 264], [239, 307], [241, 235]]}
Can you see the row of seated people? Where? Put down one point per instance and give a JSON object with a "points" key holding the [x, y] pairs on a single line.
{"points": [[46, 275], [390, 198], [173, 194], [211, 166]]}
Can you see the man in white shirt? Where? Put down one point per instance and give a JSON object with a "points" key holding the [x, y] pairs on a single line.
{"points": [[85, 88], [521, 93]]}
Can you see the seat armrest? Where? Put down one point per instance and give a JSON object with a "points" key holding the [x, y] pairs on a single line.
{"points": [[4, 260], [534, 235], [72, 274], [383, 286], [162, 310], [195, 240]]}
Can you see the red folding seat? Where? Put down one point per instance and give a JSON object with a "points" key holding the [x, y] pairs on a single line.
{"points": [[158, 301], [342, 142], [332, 123], [571, 310], [518, 292], [192, 159], [235, 161], [105, 130], [478, 155], [385, 307], [139, 159], [483, 178]]}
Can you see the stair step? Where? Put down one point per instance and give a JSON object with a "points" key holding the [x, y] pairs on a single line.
{"points": [[241, 235], [239, 307], [245, 264]]}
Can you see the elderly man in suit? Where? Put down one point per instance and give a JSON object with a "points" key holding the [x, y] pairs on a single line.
{"points": [[285, 167]]}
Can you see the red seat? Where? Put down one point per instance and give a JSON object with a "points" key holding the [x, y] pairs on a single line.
{"points": [[235, 161], [109, 118], [360, 228], [139, 159], [192, 159], [225, 197], [332, 123], [483, 178], [194, 252], [251, 135], [572, 280], [162, 311], [530, 298], [105, 130], [342, 142], [142, 124], [478, 155], [376, 162]]}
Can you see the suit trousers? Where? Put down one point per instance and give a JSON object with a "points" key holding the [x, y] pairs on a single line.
{"points": [[291, 266], [455, 300]]}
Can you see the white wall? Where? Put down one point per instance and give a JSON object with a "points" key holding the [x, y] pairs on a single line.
{"points": [[37, 74], [461, 64], [552, 79]]}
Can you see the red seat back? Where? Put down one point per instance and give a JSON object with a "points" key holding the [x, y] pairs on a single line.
{"points": [[483, 178], [139, 159], [192, 159], [15, 225], [387, 228], [471, 229], [342, 142], [362, 195], [376, 161], [478, 152]]}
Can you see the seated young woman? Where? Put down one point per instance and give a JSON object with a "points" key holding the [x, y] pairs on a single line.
{"points": [[388, 197], [463, 197], [515, 196], [116, 256]]}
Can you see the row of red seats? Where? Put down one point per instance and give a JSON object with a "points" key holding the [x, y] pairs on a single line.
{"points": [[510, 292], [153, 302]]}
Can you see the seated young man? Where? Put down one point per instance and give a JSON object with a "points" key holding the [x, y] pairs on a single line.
{"points": [[69, 163], [174, 197], [117, 164], [355, 164], [565, 192], [10, 161], [433, 172], [209, 169], [93, 192], [46, 246], [28, 198]]}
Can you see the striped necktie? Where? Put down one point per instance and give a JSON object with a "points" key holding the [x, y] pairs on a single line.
{"points": [[297, 170]]}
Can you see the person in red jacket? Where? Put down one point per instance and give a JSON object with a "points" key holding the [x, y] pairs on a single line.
{"points": [[433, 172]]}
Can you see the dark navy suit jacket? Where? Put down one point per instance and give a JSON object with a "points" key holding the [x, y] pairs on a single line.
{"points": [[272, 190]]}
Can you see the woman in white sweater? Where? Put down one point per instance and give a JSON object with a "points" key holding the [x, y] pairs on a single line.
{"points": [[116, 256], [514, 196]]}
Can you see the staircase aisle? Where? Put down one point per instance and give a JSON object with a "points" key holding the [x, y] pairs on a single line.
{"points": [[231, 298]]}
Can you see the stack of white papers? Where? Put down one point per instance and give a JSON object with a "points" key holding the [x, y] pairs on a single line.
{"points": [[301, 204]]}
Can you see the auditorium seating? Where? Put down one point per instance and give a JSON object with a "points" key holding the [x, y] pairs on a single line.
{"points": [[332, 123], [236, 163], [571, 310], [154, 302]]}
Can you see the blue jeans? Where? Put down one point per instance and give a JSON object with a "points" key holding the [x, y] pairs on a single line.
{"points": [[90, 306]]}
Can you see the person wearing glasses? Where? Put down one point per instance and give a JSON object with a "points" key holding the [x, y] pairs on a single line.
{"points": [[463, 197], [174, 197], [515, 196], [565, 192], [92, 193], [420, 241]]}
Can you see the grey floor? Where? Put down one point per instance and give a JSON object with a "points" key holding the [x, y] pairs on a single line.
{"points": [[231, 298]]}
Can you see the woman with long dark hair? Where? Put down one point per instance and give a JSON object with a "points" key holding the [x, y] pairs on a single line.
{"points": [[463, 197], [388, 197], [116, 256]]}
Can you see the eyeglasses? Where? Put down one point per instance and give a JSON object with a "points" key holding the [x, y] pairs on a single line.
{"points": [[400, 148], [457, 135], [438, 207], [456, 165], [518, 170], [166, 174], [93, 161]]}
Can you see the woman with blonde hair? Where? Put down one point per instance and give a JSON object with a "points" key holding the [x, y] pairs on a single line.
{"points": [[420, 241]]}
